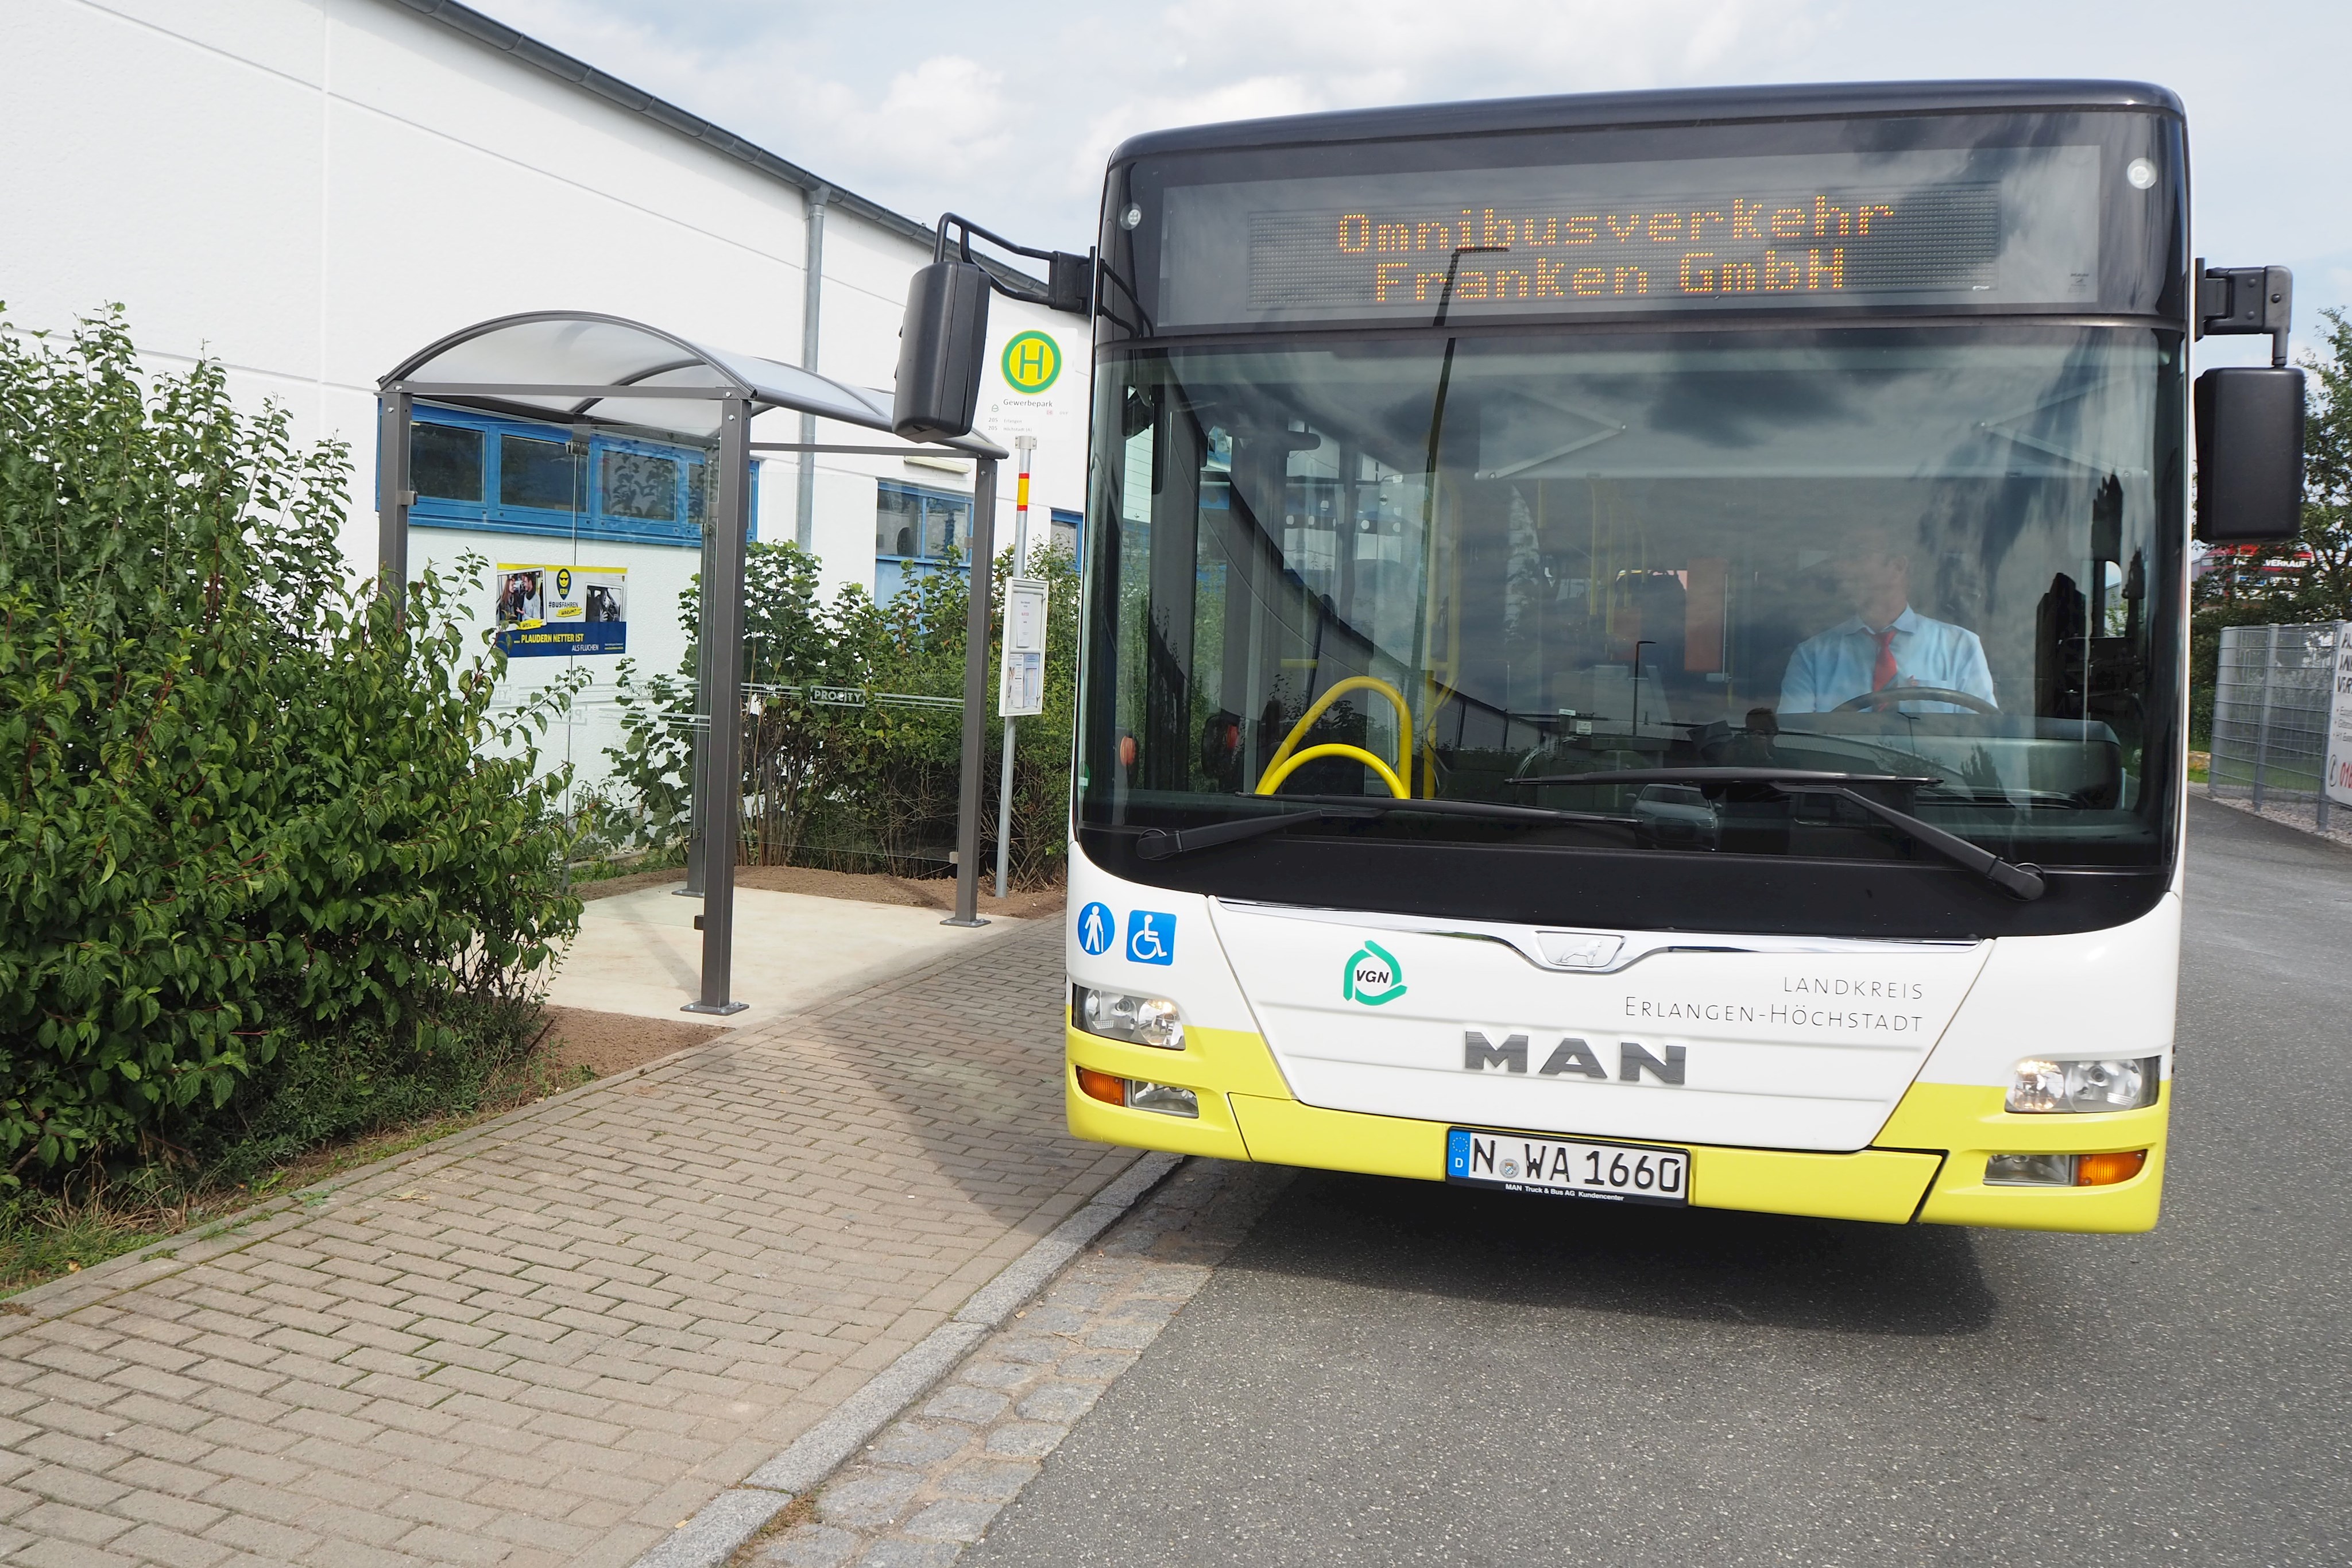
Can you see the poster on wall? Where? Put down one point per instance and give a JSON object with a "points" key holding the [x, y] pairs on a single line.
{"points": [[543, 610], [2338, 779]]}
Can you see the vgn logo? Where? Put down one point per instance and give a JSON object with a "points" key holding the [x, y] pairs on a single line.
{"points": [[1374, 978]]}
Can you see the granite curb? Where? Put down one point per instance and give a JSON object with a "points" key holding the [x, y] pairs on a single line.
{"points": [[712, 1535]]}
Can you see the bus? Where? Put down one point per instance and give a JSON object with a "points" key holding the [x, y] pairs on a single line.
{"points": [[1634, 645]]}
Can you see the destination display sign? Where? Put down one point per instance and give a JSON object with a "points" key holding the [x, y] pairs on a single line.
{"points": [[2007, 226]]}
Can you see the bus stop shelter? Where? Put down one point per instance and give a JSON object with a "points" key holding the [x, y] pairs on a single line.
{"points": [[590, 370]]}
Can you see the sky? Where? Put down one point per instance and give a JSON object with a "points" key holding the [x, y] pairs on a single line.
{"points": [[914, 106]]}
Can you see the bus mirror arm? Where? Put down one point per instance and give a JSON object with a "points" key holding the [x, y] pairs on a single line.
{"points": [[943, 337], [2024, 883], [1070, 277], [2246, 300]]}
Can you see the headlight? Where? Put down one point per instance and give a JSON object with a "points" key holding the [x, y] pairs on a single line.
{"points": [[1114, 1015], [2124, 1083]]}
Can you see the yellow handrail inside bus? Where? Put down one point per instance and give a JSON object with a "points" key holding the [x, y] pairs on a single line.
{"points": [[1400, 778], [1275, 775]]}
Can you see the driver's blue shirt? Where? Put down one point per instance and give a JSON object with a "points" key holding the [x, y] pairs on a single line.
{"points": [[1834, 667]]}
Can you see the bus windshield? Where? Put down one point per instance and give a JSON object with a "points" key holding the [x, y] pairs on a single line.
{"points": [[1479, 566]]}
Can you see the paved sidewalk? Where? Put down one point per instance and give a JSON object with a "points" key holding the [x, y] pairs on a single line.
{"points": [[939, 1478], [640, 952], [549, 1339]]}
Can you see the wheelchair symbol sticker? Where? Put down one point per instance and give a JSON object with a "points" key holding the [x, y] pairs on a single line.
{"points": [[1151, 938], [1097, 925]]}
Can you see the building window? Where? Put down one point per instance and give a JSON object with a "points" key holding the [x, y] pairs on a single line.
{"points": [[897, 524], [522, 477], [536, 474], [1069, 531], [444, 461], [914, 523], [915, 528]]}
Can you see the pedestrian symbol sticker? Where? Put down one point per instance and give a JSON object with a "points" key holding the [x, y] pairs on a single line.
{"points": [[1095, 925], [1151, 938], [1031, 363]]}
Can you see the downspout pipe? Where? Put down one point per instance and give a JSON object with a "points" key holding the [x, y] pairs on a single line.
{"points": [[812, 318]]}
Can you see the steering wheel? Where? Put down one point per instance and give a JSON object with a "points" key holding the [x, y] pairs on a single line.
{"points": [[1894, 696]]}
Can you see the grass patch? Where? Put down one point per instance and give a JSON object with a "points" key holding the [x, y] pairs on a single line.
{"points": [[800, 1510], [312, 1115], [628, 862]]}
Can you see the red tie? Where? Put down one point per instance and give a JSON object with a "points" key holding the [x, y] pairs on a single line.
{"points": [[1882, 673]]}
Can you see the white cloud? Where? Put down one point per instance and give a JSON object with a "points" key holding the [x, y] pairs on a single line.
{"points": [[915, 106]]}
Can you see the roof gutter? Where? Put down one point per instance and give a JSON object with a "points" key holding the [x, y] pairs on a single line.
{"points": [[554, 62]]}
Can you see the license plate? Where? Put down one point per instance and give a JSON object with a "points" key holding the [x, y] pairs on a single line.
{"points": [[1563, 1167]]}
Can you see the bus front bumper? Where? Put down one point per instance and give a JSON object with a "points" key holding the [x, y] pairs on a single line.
{"points": [[1926, 1164]]}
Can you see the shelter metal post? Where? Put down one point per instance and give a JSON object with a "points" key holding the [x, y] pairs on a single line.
{"points": [[395, 414], [1025, 444], [975, 694], [812, 316], [696, 840], [718, 779]]}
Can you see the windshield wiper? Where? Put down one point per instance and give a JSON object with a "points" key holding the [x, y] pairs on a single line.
{"points": [[1161, 843], [2021, 882], [1729, 776]]}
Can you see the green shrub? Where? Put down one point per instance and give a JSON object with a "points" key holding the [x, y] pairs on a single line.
{"points": [[871, 785], [248, 815]]}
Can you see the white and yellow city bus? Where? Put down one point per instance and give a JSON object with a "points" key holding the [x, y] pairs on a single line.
{"points": [[1634, 647]]}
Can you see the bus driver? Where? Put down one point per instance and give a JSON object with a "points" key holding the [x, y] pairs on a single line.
{"points": [[1885, 643]]}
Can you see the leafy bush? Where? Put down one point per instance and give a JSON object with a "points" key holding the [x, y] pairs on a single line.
{"points": [[249, 815], [860, 785]]}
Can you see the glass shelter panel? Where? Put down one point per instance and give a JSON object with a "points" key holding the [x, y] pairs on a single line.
{"points": [[639, 484]]}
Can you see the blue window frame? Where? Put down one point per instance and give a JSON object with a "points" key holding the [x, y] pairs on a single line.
{"points": [[525, 476]]}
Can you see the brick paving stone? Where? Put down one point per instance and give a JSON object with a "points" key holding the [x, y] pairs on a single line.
{"points": [[516, 1346], [932, 1482]]}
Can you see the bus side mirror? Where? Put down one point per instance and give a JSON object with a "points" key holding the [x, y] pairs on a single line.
{"points": [[2249, 454], [942, 344]]}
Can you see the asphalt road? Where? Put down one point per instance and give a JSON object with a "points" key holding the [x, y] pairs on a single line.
{"points": [[1393, 1372]]}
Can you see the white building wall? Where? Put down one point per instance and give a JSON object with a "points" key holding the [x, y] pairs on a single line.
{"points": [[311, 190]]}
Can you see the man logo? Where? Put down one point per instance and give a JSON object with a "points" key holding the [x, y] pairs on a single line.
{"points": [[1374, 978], [1573, 1058]]}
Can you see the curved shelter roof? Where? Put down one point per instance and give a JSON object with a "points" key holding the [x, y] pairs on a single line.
{"points": [[578, 365]]}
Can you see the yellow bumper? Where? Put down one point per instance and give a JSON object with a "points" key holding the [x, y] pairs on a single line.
{"points": [[1928, 1163]]}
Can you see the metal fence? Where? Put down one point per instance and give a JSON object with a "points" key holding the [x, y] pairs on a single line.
{"points": [[2271, 699]]}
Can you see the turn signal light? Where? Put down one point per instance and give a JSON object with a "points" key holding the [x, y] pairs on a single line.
{"points": [[2105, 1170], [2064, 1170], [1137, 1094]]}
